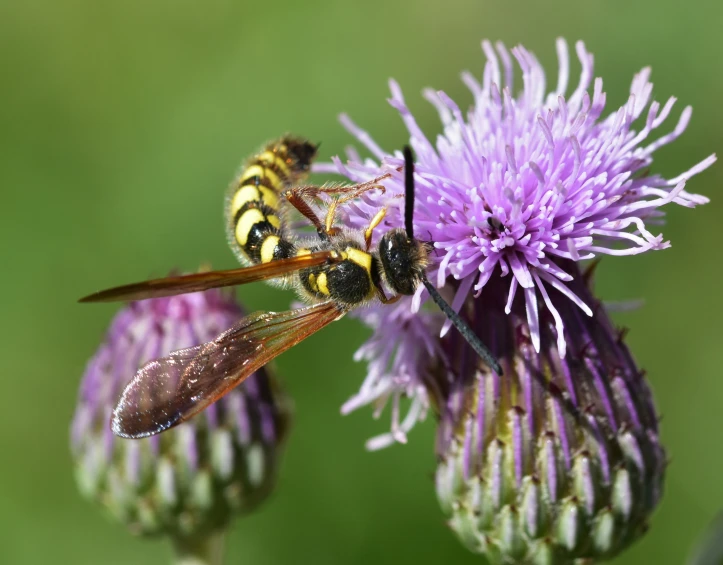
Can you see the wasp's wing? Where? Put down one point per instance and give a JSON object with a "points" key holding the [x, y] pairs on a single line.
{"points": [[183, 284], [170, 390]]}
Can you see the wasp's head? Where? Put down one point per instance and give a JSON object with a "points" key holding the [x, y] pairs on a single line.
{"points": [[403, 260]]}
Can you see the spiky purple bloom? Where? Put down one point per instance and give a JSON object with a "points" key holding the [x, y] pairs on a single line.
{"points": [[558, 460], [515, 190], [190, 481]]}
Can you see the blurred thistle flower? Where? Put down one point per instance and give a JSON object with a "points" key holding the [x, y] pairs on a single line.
{"points": [[189, 482], [558, 459]]}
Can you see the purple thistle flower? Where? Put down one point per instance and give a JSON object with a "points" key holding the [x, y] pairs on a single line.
{"points": [[559, 459], [520, 190], [189, 482], [400, 360]]}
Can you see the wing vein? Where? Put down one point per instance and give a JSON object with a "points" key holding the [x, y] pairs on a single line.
{"points": [[170, 390]]}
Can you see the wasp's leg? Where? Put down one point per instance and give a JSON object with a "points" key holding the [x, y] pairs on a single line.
{"points": [[383, 297], [300, 197], [297, 197], [376, 220], [344, 193]]}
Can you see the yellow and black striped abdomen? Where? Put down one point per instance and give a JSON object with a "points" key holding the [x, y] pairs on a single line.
{"points": [[258, 234], [255, 206]]}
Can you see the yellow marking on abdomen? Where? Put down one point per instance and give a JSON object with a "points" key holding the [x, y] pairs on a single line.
{"points": [[360, 257], [248, 193], [274, 221], [321, 283], [262, 172], [269, 197], [303, 251], [269, 158], [267, 248], [247, 220]]}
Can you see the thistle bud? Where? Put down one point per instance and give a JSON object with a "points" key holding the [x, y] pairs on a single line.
{"points": [[188, 482], [558, 459]]}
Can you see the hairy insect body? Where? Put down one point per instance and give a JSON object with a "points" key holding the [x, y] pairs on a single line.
{"points": [[255, 201], [336, 272], [256, 223], [350, 282]]}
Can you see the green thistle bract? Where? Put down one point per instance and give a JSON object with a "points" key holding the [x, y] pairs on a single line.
{"points": [[558, 460]]}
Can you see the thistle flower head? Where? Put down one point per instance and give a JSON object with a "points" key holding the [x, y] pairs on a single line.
{"points": [[517, 191], [189, 481], [557, 461]]}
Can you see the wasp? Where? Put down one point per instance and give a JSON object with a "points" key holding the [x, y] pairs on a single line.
{"points": [[338, 272]]}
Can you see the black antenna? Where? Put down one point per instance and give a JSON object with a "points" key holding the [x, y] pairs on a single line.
{"points": [[467, 333], [409, 191]]}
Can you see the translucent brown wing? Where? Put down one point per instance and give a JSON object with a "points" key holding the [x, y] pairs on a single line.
{"points": [[170, 390], [183, 284]]}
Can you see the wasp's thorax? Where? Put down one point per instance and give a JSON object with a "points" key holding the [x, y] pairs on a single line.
{"points": [[349, 281], [403, 260]]}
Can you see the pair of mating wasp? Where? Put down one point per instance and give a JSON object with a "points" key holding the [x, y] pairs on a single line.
{"points": [[338, 272]]}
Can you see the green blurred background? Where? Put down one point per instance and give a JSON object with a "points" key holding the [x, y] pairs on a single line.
{"points": [[121, 124]]}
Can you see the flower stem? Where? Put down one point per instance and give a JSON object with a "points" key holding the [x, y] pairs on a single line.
{"points": [[199, 550]]}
